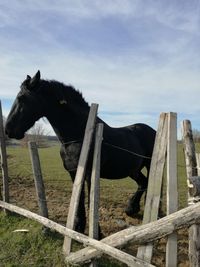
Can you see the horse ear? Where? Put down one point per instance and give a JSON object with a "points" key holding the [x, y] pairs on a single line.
{"points": [[28, 77], [35, 79]]}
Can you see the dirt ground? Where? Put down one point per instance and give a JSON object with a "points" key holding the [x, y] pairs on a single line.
{"points": [[112, 216]]}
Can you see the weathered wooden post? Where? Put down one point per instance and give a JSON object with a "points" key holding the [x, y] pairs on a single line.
{"points": [[172, 189], [191, 170], [198, 163], [80, 173], [4, 164], [95, 187], [155, 183], [39, 184]]}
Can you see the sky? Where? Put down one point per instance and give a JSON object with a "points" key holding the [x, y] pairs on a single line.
{"points": [[134, 58]]}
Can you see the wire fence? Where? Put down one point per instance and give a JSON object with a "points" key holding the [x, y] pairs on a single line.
{"points": [[58, 184]]}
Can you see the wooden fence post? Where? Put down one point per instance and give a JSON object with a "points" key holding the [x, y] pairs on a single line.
{"points": [[95, 187], [172, 190], [155, 182], [39, 185], [4, 164], [198, 163], [80, 173], [191, 170]]}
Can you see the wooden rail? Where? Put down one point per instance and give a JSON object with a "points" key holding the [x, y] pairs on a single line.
{"points": [[135, 235], [145, 233], [113, 252]]}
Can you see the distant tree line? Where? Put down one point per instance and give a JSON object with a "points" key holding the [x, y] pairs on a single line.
{"points": [[37, 134], [196, 135]]}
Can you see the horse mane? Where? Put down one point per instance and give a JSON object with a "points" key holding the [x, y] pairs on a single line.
{"points": [[60, 91]]}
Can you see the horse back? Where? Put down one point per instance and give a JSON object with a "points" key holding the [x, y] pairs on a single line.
{"points": [[146, 137]]}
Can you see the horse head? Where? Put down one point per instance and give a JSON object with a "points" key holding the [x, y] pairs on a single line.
{"points": [[26, 109]]}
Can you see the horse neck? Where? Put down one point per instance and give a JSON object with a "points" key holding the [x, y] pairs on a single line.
{"points": [[68, 126]]}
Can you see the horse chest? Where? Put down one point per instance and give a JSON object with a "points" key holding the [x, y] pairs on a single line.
{"points": [[70, 155]]}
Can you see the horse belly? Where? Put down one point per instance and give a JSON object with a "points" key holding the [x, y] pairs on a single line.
{"points": [[117, 168]]}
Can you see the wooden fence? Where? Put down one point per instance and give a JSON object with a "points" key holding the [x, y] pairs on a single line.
{"points": [[193, 182], [165, 151], [4, 164]]}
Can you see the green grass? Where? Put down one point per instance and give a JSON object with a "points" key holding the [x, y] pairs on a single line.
{"points": [[51, 164], [31, 248], [36, 249]]}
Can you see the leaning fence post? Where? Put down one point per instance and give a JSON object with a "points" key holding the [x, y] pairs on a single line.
{"points": [[4, 164], [80, 173], [198, 163], [155, 183], [95, 187], [39, 185], [191, 170]]}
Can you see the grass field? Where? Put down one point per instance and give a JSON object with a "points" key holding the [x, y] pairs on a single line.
{"points": [[33, 248]]}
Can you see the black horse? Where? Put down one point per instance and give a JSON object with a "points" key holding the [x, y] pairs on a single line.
{"points": [[125, 150]]}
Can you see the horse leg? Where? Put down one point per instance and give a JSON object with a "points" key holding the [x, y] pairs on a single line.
{"points": [[134, 202], [80, 221]]}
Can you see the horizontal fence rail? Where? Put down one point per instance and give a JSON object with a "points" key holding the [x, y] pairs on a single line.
{"points": [[145, 233], [136, 235], [107, 249]]}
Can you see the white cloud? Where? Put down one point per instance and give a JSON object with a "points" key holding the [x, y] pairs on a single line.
{"points": [[131, 86], [157, 71], [182, 15]]}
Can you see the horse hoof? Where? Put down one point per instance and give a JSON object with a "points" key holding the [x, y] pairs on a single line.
{"points": [[132, 211]]}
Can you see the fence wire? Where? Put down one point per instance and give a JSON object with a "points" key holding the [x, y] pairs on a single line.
{"points": [[58, 189]]}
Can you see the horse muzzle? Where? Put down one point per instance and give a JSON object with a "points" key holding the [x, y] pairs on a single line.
{"points": [[13, 133]]}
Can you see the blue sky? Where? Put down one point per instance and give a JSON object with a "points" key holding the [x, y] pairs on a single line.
{"points": [[135, 59]]}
